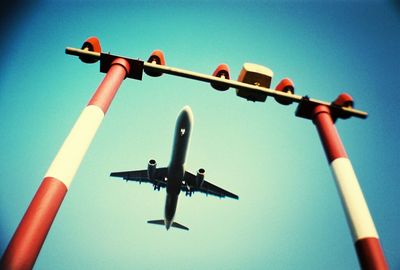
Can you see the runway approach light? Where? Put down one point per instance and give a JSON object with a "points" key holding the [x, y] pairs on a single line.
{"points": [[156, 57], [285, 85], [92, 44], [343, 100], [256, 75], [222, 71]]}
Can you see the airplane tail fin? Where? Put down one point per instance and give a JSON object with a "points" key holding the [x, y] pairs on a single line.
{"points": [[162, 222]]}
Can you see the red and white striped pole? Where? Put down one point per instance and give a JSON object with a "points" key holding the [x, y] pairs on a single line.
{"points": [[31, 233], [365, 236]]}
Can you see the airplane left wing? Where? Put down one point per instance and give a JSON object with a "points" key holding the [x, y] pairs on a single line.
{"points": [[191, 186], [142, 176]]}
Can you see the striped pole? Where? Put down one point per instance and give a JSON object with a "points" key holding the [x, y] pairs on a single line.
{"points": [[365, 236], [31, 233]]}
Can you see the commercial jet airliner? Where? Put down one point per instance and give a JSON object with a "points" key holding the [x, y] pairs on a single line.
{"points": [[174, 177]]}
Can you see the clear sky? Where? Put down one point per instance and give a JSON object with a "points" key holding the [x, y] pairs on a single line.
{"points": [[289, 214]]}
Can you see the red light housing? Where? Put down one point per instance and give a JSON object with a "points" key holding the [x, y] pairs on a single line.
{"points": [[91, 44], [156, 57], [222, 71], [344, 100], [285, 85]]}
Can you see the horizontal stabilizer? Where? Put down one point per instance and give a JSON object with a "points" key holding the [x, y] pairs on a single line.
{"points": [[174, 224], [157, 222], [179, 226]]}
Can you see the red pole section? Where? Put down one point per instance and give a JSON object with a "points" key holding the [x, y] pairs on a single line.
{"points": [[25, 245], [365, 236]]}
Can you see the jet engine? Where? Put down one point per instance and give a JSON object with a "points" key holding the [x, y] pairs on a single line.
{"points": [[200, 177], [151, 168]]}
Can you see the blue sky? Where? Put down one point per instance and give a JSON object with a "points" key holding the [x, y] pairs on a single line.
{"points": [[289, 214]]}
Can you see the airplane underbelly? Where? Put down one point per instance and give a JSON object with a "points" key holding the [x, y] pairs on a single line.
{"points": [[170, 206], [175, 176]]}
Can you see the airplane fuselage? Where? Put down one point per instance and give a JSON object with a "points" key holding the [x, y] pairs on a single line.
{"points": [[176, 167]]}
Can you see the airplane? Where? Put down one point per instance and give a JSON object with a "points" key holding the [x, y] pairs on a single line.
{"points": [[174, 177]]}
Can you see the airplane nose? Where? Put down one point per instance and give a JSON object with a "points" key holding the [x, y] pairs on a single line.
{"points": [[187, 112], [187, 108]]}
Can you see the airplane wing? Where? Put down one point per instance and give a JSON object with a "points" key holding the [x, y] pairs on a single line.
{"points": [[141, 176], [191, 186]]}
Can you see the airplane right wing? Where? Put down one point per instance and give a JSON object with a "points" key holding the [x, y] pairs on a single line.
{"points": [[191, 185], [142, 176]]}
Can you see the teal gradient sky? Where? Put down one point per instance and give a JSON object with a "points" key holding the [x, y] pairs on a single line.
{"points": [[289, 215]]}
